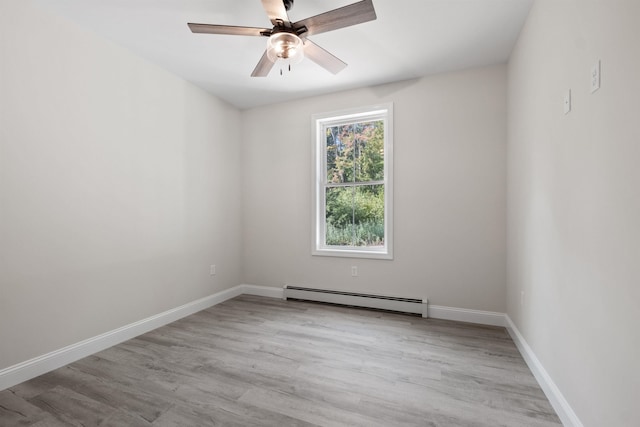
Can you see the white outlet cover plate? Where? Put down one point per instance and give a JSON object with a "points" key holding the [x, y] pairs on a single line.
{"points": [[567, 101], [595, 77]]}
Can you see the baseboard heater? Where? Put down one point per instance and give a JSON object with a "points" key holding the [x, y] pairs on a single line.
{"points": [[382, 302]]}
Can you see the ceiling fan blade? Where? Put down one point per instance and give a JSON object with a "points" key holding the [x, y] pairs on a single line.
{"points": [[275, 11], [227, 29], [264, 66], [346, 16], [322, 57]]}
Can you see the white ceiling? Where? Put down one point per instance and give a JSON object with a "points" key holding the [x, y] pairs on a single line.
{"points": [[410, 38]]}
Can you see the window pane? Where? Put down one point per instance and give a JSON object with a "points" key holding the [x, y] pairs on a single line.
{"points": [[340, 141], [339, 216], [368, 215], [355, 216], [369, 151]]}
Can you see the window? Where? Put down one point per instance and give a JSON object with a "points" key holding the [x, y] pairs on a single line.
{"points": [[352, 202]]}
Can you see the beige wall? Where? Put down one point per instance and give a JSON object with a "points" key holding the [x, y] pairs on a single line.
{"points": [[119, 186], [449, 189], [574, 202]]}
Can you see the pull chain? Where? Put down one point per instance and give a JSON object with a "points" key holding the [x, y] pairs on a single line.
{"points": [[288, 67]]}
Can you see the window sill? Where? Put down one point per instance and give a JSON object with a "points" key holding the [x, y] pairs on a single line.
{"points": [[352, 253]]}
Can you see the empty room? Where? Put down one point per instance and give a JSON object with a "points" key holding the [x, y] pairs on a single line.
{"points": [[319, 213]]}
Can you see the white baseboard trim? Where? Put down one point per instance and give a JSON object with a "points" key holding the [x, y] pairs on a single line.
{"points": [[550, 389], [263, 291], [47, 362], [491, 318]]}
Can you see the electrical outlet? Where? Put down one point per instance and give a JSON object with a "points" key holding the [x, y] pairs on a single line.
{"points": [[595, 77], [354, 271], [567, 101], [212, 270]]}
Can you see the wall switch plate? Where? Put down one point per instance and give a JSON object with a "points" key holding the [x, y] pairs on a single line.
{"points": [[354, 271], [212, 270], [567, 102], [595, 77]]}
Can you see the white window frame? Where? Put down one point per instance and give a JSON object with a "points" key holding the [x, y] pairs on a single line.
{"points": [[319, 180]]}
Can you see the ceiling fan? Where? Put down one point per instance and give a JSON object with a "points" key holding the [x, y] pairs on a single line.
{"points": [[288, 41]]}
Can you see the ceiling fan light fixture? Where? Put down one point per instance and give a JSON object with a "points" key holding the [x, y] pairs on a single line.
{"points": [[285, 46]]}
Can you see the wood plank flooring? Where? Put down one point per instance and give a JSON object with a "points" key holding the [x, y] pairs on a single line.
{"points": [[255, 361]]}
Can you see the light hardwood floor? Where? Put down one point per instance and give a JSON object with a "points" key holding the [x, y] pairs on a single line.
{"points": [[266, 362]]}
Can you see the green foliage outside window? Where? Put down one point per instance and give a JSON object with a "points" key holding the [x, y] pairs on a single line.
{"points": [[354, 198]]}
